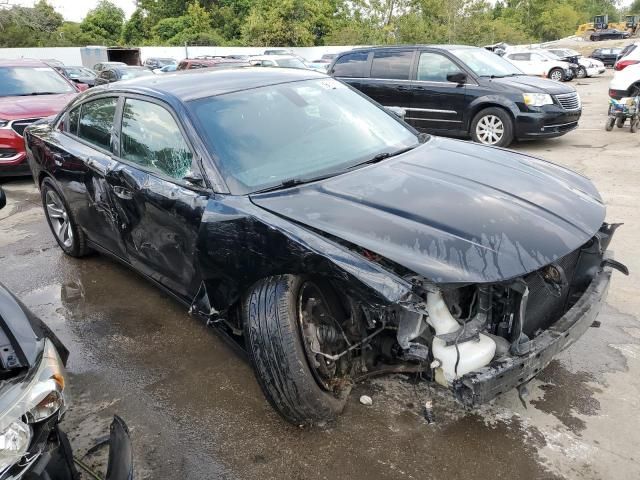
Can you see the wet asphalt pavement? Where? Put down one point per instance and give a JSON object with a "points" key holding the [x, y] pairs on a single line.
{"points": [[195, 410]]}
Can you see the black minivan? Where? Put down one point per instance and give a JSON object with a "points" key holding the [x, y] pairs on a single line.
{"points": [[461, 91]]}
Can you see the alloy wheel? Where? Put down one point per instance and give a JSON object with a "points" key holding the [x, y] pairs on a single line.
{"points": [[556, 75], [59, 218], [490, 129]]}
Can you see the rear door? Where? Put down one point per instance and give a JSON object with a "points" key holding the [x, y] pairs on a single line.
{"points": [[160, 210], [437, 103], [389, 81], [81, 157]]}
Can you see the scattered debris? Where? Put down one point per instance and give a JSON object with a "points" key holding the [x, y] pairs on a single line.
{"points": [[366, 400]]}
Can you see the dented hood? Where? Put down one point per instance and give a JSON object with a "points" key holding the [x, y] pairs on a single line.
{"points": [[452, 211]]}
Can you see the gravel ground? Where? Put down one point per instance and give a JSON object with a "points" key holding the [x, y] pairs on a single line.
{"points": [[195, 410]]}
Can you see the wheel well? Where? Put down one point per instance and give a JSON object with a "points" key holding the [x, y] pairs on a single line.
{"points": [[483, 106], [41, 176]]}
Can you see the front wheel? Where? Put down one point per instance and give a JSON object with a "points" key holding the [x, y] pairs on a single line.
{"points": [[610, 123], [492, 126], [290, 334], [620, 121], [556, 74]]}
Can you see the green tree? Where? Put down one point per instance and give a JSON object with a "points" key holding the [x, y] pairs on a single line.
{"points": [[293, 23], [135, 31], [104, 22]]}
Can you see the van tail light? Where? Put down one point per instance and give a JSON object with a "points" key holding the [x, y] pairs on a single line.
{"points": [[622, 64]]}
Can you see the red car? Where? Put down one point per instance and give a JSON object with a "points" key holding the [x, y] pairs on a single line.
{"points": [[29, 90]]}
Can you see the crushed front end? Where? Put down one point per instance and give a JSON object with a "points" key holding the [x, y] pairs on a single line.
{"points": [[505, 333]]}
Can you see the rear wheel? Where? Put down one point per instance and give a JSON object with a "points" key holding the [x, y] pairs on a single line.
{"points": [[633, 127], [620, 122], [70, 238], [492, 126], [556, 74], [582, 72], [291, 329]]}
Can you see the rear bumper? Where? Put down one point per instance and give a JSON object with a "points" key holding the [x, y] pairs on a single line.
{"points": [[553, 121], [509, 372]]}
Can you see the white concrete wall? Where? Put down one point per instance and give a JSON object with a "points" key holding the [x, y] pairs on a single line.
{"points": [[71, 55], [68, 55]]}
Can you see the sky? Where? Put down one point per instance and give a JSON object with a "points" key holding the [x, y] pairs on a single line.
{"points": [[75, 10]]}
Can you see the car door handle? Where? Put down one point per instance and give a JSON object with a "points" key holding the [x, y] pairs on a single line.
{"points": [[123, 193], [404, 88]]}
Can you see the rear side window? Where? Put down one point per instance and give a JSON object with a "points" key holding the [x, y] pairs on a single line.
{"points": [[394, 65], [74, 115], [96, 121], [351, 65], [152, 139], [520, 57]]}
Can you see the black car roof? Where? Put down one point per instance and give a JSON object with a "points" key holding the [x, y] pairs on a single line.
{"points": [[436, 46], [192, 84]]}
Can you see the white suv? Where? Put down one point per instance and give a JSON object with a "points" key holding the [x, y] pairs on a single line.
{"points": [[630, 55], [625, 83], [540, 64]]}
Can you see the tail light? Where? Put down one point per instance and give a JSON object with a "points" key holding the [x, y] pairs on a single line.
{"points": [[622, 64]]}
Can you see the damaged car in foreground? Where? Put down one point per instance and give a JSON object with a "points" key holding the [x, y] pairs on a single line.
{"points": [[326, 236], [32, 402]]}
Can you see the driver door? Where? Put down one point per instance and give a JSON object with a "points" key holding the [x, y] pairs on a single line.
{"points": [[161, 212]]}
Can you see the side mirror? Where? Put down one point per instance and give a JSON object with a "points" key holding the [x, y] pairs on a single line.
{"points": [[3, 199], [458, 77]]}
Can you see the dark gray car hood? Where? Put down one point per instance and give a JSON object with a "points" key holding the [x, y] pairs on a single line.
{"points": [[452, 211]]}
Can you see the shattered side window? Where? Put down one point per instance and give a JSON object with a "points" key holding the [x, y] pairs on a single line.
{"points": [[152, 139]]}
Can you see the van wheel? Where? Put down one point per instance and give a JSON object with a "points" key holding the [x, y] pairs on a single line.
{"points": [[556, 74], [287, 320], [69, 236], [492, 126]]}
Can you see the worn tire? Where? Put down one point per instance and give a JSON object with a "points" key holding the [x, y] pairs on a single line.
{"points": [[556, 72], [610, 123], [78, 247], [275, 348], [620, 122], [633, 127], [507, 137]]}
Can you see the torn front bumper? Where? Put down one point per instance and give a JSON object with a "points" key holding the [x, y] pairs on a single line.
{"points": [[511, 371]]}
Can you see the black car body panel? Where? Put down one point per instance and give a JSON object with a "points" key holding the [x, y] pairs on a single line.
{"points": [[448, 108], [443, 216], [533, 212]]}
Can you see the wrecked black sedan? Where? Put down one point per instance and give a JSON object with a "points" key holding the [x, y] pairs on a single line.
{"points": [[326, 236]]}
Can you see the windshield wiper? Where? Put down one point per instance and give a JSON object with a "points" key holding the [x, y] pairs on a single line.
{"points": [[292, 182], [382, 156]]}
